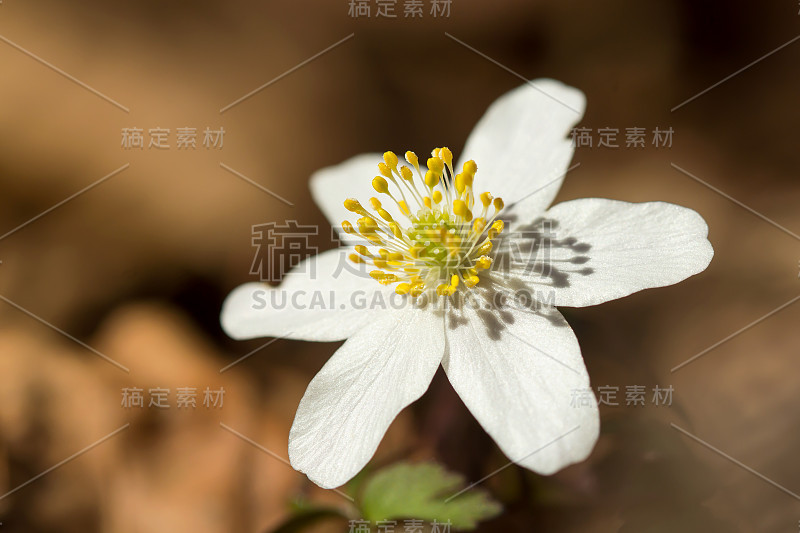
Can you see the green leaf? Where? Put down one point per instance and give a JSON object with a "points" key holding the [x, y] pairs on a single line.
{"points": [[424, 491]]}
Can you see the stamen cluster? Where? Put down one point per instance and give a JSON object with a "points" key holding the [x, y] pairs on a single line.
{"points": [[442, 245]]}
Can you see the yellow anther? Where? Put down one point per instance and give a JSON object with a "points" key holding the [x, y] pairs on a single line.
{"points": [[384, 214], [390, 159], [484, 248], [380, 185], [412, 159], [435, 164], [447, 156], [443, 242], [497, 227], [353, 205], [483, 262], [367, 225], [460, 185], [402, 288], [384, 170], [431, 178], [460, 208], [388, 279], [470, 167]]}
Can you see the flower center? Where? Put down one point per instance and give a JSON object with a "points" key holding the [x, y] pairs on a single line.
{"points": [[440, 244]]}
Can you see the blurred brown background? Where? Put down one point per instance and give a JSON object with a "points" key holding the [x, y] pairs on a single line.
{"points": [[137, 267]]}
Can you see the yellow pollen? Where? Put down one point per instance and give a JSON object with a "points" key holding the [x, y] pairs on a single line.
{"points": [[460, 207], [496, 228], [385, 215], [483, 262], [390, 159], [436, 244], [367, 225], [380, 185], [435, 164], [447, 156], [431, 179], [384, 170], [460, 185], [411, 157], [353, 205], [395, 229]]}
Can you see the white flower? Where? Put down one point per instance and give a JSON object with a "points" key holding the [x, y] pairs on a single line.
{"points": [[438, 249]]}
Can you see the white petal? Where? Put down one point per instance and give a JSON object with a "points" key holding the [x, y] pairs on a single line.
{"points": [[324, 298], [519, 374], [607, 249], [522, 144], [331, 186], [350, 403]]}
